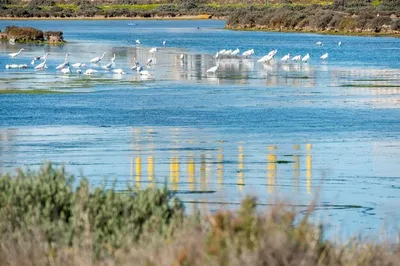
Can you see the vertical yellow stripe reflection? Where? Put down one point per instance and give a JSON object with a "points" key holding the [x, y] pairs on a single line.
{"points": [[271, 169], [138, 171], [191, 172], [174, 173], [150, 170]]}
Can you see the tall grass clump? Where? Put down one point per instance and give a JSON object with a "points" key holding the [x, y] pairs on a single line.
{"points": [[49, 218]]}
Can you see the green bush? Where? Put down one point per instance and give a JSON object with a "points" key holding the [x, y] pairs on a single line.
{"points": [[48, 202]]}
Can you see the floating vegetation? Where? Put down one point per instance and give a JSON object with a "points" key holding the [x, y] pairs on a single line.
{"points": [[283, 162], [371, 86], [30, 91]]}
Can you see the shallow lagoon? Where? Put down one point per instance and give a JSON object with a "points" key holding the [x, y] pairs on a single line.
{"points": [[325, 130]]}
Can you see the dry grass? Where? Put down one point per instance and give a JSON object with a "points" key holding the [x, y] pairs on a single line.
{"points": [[92, 233]]}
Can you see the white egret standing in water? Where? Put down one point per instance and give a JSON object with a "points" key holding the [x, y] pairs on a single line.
{"points": [[118, 71], [164, 43], [285, 58], [306, 58], [42, 65], [213, 69], [111, 64], [340, 43], [61, 66], [17, 53], [324, 56], [319, 43], [248, 53], [137, 42], [296, 58], [97, 58], [66, 70]]}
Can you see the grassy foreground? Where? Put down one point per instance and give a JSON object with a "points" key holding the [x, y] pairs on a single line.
{"points": [[45, 219]]}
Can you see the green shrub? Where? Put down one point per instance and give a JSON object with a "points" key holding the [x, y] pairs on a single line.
{"points": [[48, 202]]}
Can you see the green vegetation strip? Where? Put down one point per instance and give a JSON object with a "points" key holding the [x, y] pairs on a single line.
{"points": [[371, 86], [33, 91], [48, 217]]}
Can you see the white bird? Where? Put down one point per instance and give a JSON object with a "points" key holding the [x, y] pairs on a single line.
{"points": [[111, 64], [340, 43], [90, 71], [265, 58], [137, 42], [164, 43], [42, 65], [213, 69], [319, 43], [142, 72], [285, 58], [273, 53], [306, 58], [17, 53], [78, 65], [61, 66], [248, 53], [97, 58], [153, 50], [296, 58], [149, 61], [79, 71], [66, 70], [182, 57], [118, 71], [235, 52], [324, 56]]}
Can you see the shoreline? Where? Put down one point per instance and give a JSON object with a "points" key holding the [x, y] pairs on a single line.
{"points": [[116, 18], [197, 17], [333, 33]]}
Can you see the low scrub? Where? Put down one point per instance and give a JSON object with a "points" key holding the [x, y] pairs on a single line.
{"points": [[50, 218]]}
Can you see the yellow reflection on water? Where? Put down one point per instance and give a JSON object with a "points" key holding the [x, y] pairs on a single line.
{"points": [[150, 170], [174, 172], [191, 168], [271, 168], [138, 171], [309, 168], [240, 168]]}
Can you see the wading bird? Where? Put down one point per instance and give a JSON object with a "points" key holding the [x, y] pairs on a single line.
{"points": [[340, 43], [66, 70], [296, 58], [285, 58], [248, 53], [118, 71], [61, 66], [137, 42], [319, 43], [111, 64], [90, 71], [153, 50], [97, 58], [324, 56], [42, 65], [213, 69], [17, 53], [78, 65], [306, 58]]}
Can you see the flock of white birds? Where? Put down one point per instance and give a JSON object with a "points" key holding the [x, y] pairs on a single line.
{"points": [[65, 67], [265, 59]]}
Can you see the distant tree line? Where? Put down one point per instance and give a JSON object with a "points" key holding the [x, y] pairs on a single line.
{"points": [[342, 15]]}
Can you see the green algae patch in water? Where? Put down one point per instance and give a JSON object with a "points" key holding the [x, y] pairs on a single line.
{"points": [[16, 91], [370, 86]]}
